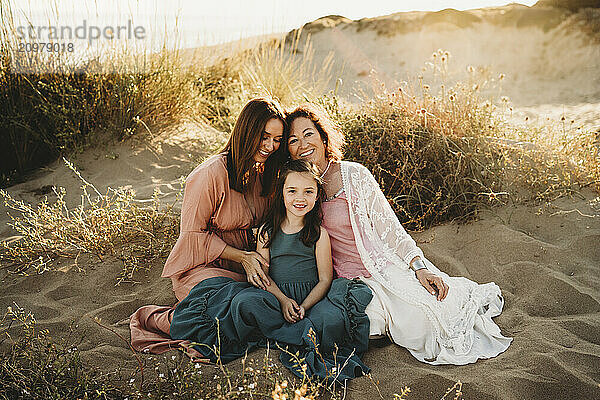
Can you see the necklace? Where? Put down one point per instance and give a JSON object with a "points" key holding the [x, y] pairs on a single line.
{"points": [[326, 169], [339, 192]]}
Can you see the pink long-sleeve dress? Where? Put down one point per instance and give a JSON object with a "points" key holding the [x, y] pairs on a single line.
{"points": [[212, 216]]}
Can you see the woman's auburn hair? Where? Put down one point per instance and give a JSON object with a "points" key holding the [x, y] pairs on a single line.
{"points": [[332, 137], [245, 141], [311, 231]]}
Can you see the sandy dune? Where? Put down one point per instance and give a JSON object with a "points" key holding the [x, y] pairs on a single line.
{"points": [[546, 259], [550, 65]]}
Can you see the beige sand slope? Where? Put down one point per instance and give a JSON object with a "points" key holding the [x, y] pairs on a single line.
{"points": [[546, 260], [551, 66]]}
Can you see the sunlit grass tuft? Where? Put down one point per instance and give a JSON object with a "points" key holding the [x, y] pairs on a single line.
{"points": [[114, 223], [442, 156]]}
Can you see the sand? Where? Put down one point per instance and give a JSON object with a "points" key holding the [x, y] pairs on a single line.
{"points": [[545, 258], [550, 66]]}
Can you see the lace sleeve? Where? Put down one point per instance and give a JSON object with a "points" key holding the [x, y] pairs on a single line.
{"points": [[384, 222]]}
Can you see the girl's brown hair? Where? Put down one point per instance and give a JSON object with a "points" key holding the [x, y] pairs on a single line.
{"points": [[245, 141], [311, 231], [332, 137]]}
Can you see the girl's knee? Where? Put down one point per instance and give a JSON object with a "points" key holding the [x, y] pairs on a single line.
{"points": [[251, 299]]}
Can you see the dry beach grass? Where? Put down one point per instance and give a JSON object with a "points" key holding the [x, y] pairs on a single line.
{"points": [[490, 200]]}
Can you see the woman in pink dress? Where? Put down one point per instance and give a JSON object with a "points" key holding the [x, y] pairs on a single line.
{"points": [[438, 318], [225, 197], [214, 268]]}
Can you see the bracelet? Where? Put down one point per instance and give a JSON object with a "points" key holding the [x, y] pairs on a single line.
{"points": [[417, 265]]}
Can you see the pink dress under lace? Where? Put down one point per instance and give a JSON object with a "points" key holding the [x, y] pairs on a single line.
{"points": [[336, 220]]}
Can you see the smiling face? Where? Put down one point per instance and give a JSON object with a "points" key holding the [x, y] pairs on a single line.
{"points": [[270, 140], [306, 143], [299, 193]]}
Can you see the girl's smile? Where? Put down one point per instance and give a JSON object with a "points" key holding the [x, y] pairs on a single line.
{"points": [[299, 193]]}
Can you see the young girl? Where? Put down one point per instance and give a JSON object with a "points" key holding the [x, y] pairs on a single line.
{"points": [[294, 243]]}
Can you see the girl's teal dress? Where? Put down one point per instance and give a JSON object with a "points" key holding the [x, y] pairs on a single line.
{"points": [[293, 266], [249, 317]]}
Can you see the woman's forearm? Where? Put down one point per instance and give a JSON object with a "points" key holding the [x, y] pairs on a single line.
{"points": [[233, 254], [316, 294], [253, 264]]}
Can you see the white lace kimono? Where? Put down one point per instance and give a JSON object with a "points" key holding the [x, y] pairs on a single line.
{"points": [[457, 330]]}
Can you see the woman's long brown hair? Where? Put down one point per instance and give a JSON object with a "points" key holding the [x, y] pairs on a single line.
{"points": [[245, 141], [311, 231]]}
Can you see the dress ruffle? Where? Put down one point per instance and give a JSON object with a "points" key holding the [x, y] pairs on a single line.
{"points": [[353, 296], [249, 317], [343, 327], [198, 319]]}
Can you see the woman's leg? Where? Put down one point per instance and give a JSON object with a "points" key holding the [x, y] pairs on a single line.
{"points": [[406, 324], [377, 318], [149, 327], [458, 330]]}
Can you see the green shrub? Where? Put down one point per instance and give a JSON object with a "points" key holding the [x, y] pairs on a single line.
{"points": [[428, 177], [113, 224]]}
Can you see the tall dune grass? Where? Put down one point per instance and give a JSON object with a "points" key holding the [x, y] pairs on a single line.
{"points": [[64, 104], [59, 105], [442, 156], [270, 69]]}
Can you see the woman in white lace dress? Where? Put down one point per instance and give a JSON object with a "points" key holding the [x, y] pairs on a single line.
{"points": [[438, 318]]}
